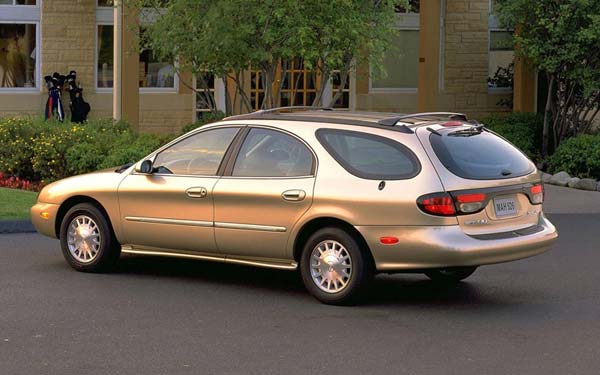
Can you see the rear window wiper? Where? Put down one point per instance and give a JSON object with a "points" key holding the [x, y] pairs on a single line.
{"points": [[475, 130]]}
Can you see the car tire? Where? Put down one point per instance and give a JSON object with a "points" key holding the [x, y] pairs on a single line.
{"points": [[450, 275], [349, 267], [87, 240]]}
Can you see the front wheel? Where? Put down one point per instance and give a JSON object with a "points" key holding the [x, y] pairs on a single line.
{"points": [[334, 268], [450, 275], [87, 240]]}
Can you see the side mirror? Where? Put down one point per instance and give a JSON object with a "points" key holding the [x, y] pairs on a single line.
{"points": [[145, 167]]}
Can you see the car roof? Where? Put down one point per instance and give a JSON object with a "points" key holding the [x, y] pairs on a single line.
{"points": [[383, 120]]}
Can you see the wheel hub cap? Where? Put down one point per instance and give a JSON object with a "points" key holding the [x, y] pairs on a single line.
{"points": [[83, 239], [330, 266]]}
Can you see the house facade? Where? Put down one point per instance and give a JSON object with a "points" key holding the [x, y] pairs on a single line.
{"points": [[448, 55]]}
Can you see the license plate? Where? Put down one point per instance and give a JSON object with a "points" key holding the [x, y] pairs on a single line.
{"points": [[505, 207]]}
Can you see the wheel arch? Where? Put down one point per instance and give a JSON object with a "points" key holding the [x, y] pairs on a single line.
{"points": [[72, 202], [315, 224]]}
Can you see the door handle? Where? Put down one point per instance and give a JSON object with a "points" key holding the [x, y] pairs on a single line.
{"points": [[196, 192], [294, 195]]}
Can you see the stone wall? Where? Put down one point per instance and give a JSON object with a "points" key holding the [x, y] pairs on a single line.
{"points": [[68, 32], [465, 59]]}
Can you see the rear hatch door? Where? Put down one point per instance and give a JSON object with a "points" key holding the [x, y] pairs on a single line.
{"points": [[496, 188]]}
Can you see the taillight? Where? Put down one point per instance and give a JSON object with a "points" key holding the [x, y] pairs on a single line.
{"points": [[469, 203], [537, 194], [440, 204]]}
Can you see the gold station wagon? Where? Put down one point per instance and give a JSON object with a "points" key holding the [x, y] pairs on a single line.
{"points": [[338, 195]]}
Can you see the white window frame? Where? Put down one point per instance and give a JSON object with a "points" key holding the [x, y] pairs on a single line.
{"points": [[25, 15], [105, 17], [494, 25], [404, 22]]}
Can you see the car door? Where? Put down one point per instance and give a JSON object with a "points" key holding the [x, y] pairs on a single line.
{"points": [[266, 188], [172, 208]]}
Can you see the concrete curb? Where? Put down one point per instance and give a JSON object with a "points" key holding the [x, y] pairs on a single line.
{"points": [[16, 226]]}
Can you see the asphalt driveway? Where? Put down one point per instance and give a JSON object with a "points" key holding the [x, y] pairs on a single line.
{"points": [[167, 316]]}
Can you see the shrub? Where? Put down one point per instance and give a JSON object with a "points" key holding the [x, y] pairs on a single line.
{"points": [[129, 152], [37, 150], [579, 156], [16, 137], [524, 130], [207, 118]]}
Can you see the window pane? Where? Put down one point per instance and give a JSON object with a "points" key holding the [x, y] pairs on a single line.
{"points": [[200, 154], [269, 153], [105, 56], [369, 156], [17, 55], [480, 157], [24, 2], [500, 59], [105, 3], [153, 72], [401, 63]]}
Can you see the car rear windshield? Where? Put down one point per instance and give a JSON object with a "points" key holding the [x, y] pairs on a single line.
{"points": [[479, 155], [369, 156]]}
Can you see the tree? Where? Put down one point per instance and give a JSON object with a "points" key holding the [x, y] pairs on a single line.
{"points": [[229, 37], [562, 39]]}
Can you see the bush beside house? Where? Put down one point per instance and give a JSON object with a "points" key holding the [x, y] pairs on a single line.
{"points": [[35, 152]]}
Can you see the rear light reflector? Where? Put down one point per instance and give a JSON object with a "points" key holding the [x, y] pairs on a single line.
{"points": [[440, 204], [389, 240], [537, 194]]}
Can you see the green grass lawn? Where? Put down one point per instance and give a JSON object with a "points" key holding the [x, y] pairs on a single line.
{"points": [[15, 204]]}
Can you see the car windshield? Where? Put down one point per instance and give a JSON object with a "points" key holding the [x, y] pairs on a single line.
{"points": [[477, 154]]}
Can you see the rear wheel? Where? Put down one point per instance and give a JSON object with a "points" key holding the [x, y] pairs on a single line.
{"points": [[450, 275], [87, 240], [334, 268]]}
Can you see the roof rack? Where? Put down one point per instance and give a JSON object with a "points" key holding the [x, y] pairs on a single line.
{"points": [[278, 110], [285, 113], [391, 121]]}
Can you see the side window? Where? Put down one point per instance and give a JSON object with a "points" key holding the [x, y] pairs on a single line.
{"points": [[269, 153], [370, 156], [200, 154]]}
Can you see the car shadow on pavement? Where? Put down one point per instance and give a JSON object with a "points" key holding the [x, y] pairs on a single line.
{"points": [[387, 290]]}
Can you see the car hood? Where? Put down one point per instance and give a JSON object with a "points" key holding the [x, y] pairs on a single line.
{"points": [[102, 182]]}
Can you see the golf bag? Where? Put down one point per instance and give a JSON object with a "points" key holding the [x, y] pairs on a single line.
{"points": [[79, 107], [54, 106]]}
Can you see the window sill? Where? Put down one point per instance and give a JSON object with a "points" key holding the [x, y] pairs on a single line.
{"points": [[394, 91], [28, 90]]}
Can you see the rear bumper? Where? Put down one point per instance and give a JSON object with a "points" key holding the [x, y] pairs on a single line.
{"points": [[449, 246], [43, 225]]}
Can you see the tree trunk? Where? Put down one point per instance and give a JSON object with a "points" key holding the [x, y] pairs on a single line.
{"points": [[545, 131]]}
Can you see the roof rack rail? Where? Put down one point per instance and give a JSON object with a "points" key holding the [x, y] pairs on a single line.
{"points": [[278, 110], [391, 121]]}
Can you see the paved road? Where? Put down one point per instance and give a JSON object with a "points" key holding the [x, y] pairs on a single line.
{"points": [[166, 316]]}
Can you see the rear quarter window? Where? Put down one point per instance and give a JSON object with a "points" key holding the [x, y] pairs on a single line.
{"points": [[480, 156], [369, 156]]}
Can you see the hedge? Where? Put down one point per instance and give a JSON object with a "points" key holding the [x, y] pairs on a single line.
{"points": [[579, 156], [524, 130], [40, 151]]}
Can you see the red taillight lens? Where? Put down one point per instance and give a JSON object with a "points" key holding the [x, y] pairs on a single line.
{"points": [[537, 194], [470, 198], [440, 204], [452, 123]]}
